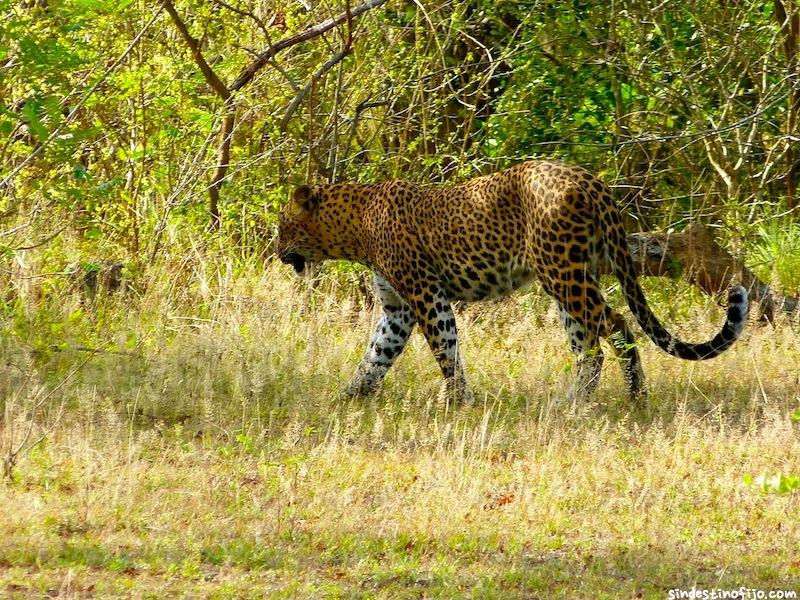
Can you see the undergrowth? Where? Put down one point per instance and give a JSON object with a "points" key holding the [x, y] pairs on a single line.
{"points": [[189, 438]]}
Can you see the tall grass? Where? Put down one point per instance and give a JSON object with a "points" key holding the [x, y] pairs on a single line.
{"points": [[776, 254], [204, 450]]}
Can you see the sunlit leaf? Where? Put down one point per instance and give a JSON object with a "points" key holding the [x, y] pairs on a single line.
{"points": [[93, 233]]}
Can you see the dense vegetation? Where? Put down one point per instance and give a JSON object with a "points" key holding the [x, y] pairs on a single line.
{"points": [[170, 422], [110, 116]]}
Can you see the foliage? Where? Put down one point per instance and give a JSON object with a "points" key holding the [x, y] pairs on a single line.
{"points": [[684, 107], [185, 436], [776, 253], [779, 483]]}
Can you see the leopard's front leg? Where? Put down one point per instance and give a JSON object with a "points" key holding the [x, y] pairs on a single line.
{"points": [[438, 323], [391, 334]]}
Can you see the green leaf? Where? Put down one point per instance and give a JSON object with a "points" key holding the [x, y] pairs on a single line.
{"points": [[31, 117], [79, 172], [788, 484], [626, 91], [93, 233], [775, 484]]}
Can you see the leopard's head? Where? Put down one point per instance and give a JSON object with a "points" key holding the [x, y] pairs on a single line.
{"points": [[299, 238]]}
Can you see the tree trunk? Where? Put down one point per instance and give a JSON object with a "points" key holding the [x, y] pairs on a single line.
{"points": [[787, 16], [225, 93]]}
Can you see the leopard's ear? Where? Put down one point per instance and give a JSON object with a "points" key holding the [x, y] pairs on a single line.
{"points": [[306, 198]]}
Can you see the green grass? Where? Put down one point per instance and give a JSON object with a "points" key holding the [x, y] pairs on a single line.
{"points": [[776, 255], [206, 452]]}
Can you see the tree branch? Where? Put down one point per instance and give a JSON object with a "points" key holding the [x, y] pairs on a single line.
{"points": [[264, 57], [246, 13], [211, 78], [332, 62], [246, 76]]}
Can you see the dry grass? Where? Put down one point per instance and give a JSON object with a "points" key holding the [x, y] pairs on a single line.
{"points": [[210, 455]]}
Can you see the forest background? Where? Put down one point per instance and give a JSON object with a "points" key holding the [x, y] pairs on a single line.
{"points": [[169, 410]]}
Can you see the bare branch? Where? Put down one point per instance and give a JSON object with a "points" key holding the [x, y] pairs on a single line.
{"points": [[211, 78], [223, 160], [331, 62], [44, 241], [246, 76], [245, 13], [263, 59]]}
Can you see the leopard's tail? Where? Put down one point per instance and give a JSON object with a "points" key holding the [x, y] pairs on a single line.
{"points": [[614, 239]]}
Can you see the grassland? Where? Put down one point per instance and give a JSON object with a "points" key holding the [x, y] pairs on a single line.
{"points": [[204, 451]]}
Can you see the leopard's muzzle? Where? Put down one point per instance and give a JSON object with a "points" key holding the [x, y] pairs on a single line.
{"points": [[297, 261]]}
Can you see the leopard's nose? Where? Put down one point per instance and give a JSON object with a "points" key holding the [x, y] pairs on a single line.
{"points": [[297, 261]]}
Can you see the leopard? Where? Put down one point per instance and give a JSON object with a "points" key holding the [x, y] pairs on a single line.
{"points": [[430, 246]]}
